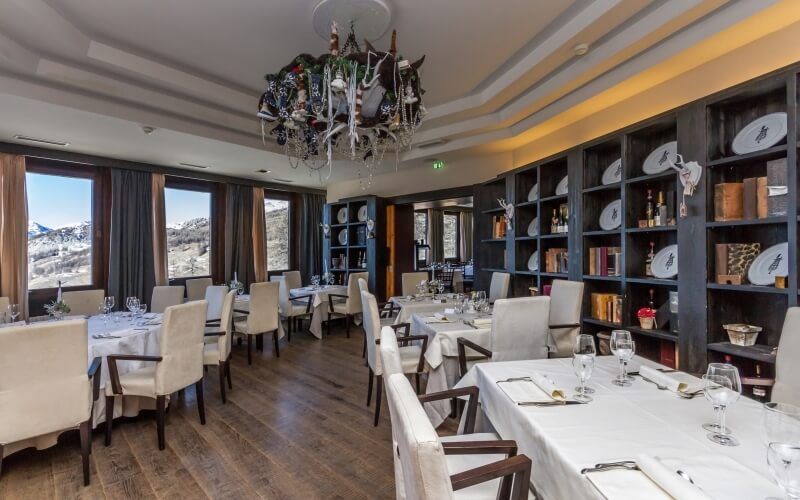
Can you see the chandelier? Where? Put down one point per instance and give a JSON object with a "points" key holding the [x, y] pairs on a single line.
{"points": [[349, 104]]}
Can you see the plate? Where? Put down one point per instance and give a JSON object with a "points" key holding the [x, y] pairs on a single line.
{"points": [[774, 261], [533, 227], [563, 186], [613, 173], [343, 237], [611, 216], [761, 133], [533, 194], [341, 215], [656, 162], [362, 213], [533, 261], [665, 263]]}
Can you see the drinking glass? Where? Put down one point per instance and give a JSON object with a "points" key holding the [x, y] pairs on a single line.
{"points": [[109, 303], [731, 373], [583, 363], [315, 281], [781, 423], [722, 389], [784, 464], [13, 311], [622, 347], [440, 288], [584, 344]]}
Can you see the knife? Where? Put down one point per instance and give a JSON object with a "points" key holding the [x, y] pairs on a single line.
{"points": [[549, 403]]}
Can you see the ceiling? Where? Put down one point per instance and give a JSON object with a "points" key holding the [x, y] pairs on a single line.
{"points": [[92, 72]]}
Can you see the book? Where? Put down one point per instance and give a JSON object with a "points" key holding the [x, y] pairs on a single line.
{"points": [[762, 198], [749, 202]]}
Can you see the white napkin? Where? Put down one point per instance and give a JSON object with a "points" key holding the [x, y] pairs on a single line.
{"points": [[449, 310], [720, 476], [621, 484], [482, 321], [672, 383], [669, 480], [549, 387], [437, 318], [537, 390]]}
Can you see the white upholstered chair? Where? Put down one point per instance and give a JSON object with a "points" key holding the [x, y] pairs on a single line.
{"points": [[786, 385], [293, 278], [44, 387], [217, 348], [411, 357], [4, 303], [261, 318], [164, 297], [215, 296], [434, 469], [386, 310], [566, 298], [520, 329], [196, 288], [84, 302], [411, 280], [346, 306], [458, 281], [178, 365], [293, 309], [498, 288]]}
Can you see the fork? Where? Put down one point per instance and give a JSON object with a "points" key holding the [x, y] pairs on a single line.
{"points": [[661, 387]]}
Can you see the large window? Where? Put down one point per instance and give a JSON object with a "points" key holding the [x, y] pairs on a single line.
{"points": [[421, 226], [188, 236], [59, 230], [450, 235], [276, 214]]}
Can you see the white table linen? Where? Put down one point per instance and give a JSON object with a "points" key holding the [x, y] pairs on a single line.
{"points": [[423, 306], [620, 424], [319, 303]]}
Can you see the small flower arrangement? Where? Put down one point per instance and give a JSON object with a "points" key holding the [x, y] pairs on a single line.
{"points": [[328, 278], [57, 308], [647, 317], [237, 285], [433, 286]]}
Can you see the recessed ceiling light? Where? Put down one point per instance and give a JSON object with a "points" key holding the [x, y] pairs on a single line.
{"points": [[41, 141], [262, 171], [581, 49], [193, 165], [430, 144], [148, 130], [287, 181]]}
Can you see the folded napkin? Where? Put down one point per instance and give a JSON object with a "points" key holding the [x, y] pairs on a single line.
{"points": [[538, 389], [720, 476], [482, 321], [150, 315], [438, 318], [665, 379], [653, 481], [449, 310]]}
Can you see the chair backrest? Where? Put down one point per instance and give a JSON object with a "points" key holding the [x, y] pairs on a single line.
{"points": [[390, 352], [458, 281], [196, 288], [215, 296], [787, 371], [498, 288], [164, 297], [353, 294], [86, 302], [411, 280], [4, 303], [372, 326], [226, 324], [566, 298], [293, 278], [263, 317], [284, 298], [43, 382], [418, 450], [520, 328], [182, 333], [363, 286]]}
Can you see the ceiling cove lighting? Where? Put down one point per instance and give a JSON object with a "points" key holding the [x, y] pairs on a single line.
{"points": [[193, 165], [41, 141]]}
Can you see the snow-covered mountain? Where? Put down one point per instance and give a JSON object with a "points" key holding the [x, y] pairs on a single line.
{"points": [[35, 229], [63, 253]]}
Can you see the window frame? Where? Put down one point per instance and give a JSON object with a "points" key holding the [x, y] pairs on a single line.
{"points": [[457, 215], [278, 195], [215, 236]]}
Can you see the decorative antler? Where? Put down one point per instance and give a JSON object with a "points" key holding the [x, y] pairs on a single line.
{"points": [[689, 174], [334, 39], [509, 211]]}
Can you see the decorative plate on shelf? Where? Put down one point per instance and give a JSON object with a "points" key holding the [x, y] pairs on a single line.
{"points": [[343, 237], [613, 173], [563, 186], [362, 213], [761, 133], [611, 216], [774, 261], [657, 161], [533, 227], [665, 262], [341, 215], [533, 194], [533, 261]]}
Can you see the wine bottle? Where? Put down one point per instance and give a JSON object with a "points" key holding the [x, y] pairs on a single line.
{"points": [[661, 209], [759, 391], [554, 222], [652, 302], [564, 219], [648, 267], [649, 208]]}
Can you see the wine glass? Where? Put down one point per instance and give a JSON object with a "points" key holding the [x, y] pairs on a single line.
{"points": [[440, 288], [109, 303], [583, 364], [13, 311], [315, 281], [781, 423], [721, 387], [622, 347], [584, 345], [784, 464]]}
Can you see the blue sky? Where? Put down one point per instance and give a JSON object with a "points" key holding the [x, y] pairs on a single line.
{"points": [[182, 205], [55, 201]]}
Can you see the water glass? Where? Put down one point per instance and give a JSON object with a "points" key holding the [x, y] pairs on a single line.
{"points": [[784, 464], [722, 388], [584, 345], [623, 348], [781, 423], [13, 311]]}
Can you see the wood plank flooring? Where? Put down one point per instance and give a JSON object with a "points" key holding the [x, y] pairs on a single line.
{"points": [[294, 427]]}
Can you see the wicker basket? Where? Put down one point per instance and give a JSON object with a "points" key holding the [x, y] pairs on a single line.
{"points": [[741, 334]]}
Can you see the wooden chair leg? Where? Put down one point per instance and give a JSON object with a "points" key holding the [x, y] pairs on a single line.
{"points": [[347, 320], [201, 404], [222, 381], [364, 350], [378, 392], [249, 349], [109, 418], [228, 371], [369, 386], [275, 340], [238, 340], [260, 342], [86, 448], [161, 403], [417, 379], [1, 460]]}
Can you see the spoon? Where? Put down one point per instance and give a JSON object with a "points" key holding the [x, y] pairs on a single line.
{"points": [[685, 476]]}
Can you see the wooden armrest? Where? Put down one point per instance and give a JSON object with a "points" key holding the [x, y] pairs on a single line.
{"points": [[514, 470], [332, 296], [308, 298], [241, 311], [383, 310], [472, 404], [462, 353], [408, 338], [91, 373], [571, 325], [750, 381], [216, 333], [401, 326], [213, 322], [494, 447], [113, 373]]}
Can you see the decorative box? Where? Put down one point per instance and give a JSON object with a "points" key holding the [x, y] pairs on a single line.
{"points": [[741, 334], [728, 201]]}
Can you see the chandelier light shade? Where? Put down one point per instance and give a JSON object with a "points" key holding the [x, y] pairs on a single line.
{"points": [[349, 104]]}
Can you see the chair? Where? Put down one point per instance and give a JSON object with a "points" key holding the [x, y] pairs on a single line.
{"points": [[44, 387], [785, 385], [566, 298], [458, 281], [196, 288], [164, 297], [432, 468], [412, 358], [215, 296], [348, 305], [261, 318], [4, 303], [84, 302], [178, 365], [387, 311], [411, 280], [293, 308], [498, 288], [293, 278], [520, 329], [218, 351]]}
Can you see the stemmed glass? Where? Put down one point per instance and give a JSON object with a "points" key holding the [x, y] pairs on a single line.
{"points": [[132, 303], [13, 311], [315, 281], [140, 311], [781, 423], [784, 464], [623, 347], [721, 387], [440, 288], [583, 364]]}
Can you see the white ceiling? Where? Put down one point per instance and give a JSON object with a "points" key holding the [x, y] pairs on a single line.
{"points": [[91, 72]]}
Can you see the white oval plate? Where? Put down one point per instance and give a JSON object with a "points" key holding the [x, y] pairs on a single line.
{"points": [[774, 261], [533, 194], [362, 213], [665, 263], [533, 227], [563, 186], [761, 133], [533, 261], [341, 215], [611, 216], [343, 237], [656, 162], [613, 173]]}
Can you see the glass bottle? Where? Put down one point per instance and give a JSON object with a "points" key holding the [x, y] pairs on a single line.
{"points": [[657, 212], [759, 391], [661, 209], [554, 222], [648, 267], [649, 208]]}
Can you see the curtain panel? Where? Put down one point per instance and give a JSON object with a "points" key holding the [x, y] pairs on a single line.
{"points": [[465, 223], [160, 231], [436, 235], [259, 236], [239, 234], [131, 263], [311, 236], [14, 232]]}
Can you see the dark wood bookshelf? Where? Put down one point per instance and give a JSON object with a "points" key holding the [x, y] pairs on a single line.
{"points": [[758, 352]]}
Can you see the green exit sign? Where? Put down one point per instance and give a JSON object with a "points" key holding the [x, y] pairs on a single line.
{"points": [[438, 164]]}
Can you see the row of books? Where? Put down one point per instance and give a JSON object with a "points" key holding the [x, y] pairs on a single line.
{"points": [[555, 260], [605, 261], [607, 307]]}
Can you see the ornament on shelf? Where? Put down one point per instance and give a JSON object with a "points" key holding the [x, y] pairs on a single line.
{"points": [[509, 212], [689, 174]]}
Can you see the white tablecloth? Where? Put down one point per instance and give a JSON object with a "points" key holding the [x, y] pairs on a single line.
{"points": [[425, 307], [619, 424], [320, 303]]}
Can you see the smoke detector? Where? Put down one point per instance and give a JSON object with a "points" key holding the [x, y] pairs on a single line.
{"points": [[581, 49], [148, 130]]}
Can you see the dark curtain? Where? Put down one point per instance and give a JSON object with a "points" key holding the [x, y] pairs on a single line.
{"points": [[311, 236], [131, 263], [466, 235], [436, 235], [239, 235]]}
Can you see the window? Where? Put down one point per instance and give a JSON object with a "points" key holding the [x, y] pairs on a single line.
{"points": [[276, 215], [450, 235], [188, 237], [421, 226], [59, 230]]}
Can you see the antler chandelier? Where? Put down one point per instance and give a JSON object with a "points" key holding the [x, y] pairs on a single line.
{"points": [[347, 104]]}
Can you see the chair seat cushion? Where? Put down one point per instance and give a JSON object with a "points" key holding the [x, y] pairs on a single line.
{"points": [[211, 354], [409, 357], [140, 382], [240, 326], [387, 322], [340, 307], [297, 310]]}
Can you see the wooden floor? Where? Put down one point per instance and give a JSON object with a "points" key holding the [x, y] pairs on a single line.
{"points": [[294, 427]]}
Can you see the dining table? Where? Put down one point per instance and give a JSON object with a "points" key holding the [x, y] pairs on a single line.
{"points": [[425, 305], [319, 303], [620, 424]]}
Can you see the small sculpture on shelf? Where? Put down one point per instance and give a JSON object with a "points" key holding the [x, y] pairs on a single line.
{"points": [[326, 230], [509, 212]]}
